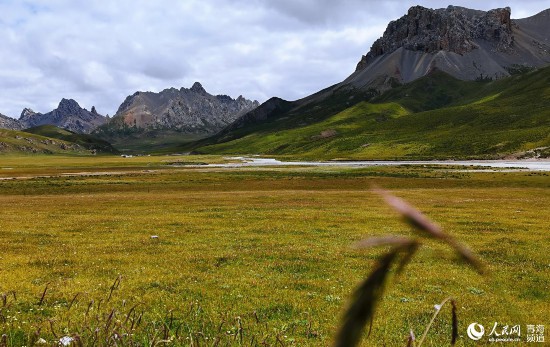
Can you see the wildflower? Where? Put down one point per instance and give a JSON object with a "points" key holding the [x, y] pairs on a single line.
{"points": [[65, 340]]}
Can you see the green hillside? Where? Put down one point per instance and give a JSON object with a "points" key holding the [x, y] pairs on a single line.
{"points": [[135, 140], [19, 142], [437, 116], [86, 141]]}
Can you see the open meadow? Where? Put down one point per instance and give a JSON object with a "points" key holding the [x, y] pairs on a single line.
{"points": [[135, 252]]}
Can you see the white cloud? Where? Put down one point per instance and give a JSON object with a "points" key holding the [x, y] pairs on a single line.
{"points": [[98, 52]]}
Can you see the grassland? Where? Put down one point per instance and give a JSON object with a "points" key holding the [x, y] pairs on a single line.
{"points": [[255, 254]]}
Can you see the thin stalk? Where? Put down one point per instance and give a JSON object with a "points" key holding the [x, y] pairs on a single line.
{"points": [[431, 322]]}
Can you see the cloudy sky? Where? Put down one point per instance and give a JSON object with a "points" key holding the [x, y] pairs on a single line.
{"points": [[99, 51]]}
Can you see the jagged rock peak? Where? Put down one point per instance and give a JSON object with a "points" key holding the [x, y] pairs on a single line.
{"points": [[454, 29], [69, 106], [197, 88], [27, 112], [93, 110], [66, 102], [68, 115], [190, 110]]}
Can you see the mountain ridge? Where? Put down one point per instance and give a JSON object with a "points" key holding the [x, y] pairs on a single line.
{"points": [[68, 115], [191, 110]]}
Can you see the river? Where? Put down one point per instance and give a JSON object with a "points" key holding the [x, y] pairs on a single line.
{"points": [[525, 165]]}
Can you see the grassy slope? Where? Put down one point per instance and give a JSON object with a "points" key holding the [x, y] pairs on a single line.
{"points": [[19, 142], [154, 141], [303, 113], [129, 139], [268, 246], [135, 141], [84, 140], [437, 116]]}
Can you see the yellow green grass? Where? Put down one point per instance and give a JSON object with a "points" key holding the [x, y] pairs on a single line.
{"points": [[258, 254]]}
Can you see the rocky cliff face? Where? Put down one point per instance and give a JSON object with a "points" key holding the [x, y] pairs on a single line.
{"points": [[9, 123], [454, 29], [465, 43], [68, 115], [192, 110]]}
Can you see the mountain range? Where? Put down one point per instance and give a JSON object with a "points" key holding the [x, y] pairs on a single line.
{"points": [[68, 115], [438, 83], [190, 110], [449, 64]]}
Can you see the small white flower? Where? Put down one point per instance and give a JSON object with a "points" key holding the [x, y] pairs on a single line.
{"points": [[41, 341], [65, 340], [437, 307], [411, 334]]}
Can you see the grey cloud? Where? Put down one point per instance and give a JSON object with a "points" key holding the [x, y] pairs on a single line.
{"points": [[325, 12], [166, 68], [98, 52]]}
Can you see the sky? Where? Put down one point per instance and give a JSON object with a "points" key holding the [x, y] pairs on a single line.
{"points": [[99, 52]]}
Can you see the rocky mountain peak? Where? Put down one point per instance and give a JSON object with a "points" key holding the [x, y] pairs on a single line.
{"points": [[453, 29], [68, 106], [26, 113], [190, 111], [464, 43], [198, 88], [68, 115], [93, 110]]}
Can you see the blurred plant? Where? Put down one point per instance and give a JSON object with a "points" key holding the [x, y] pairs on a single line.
{"points": [[368, 294]]}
